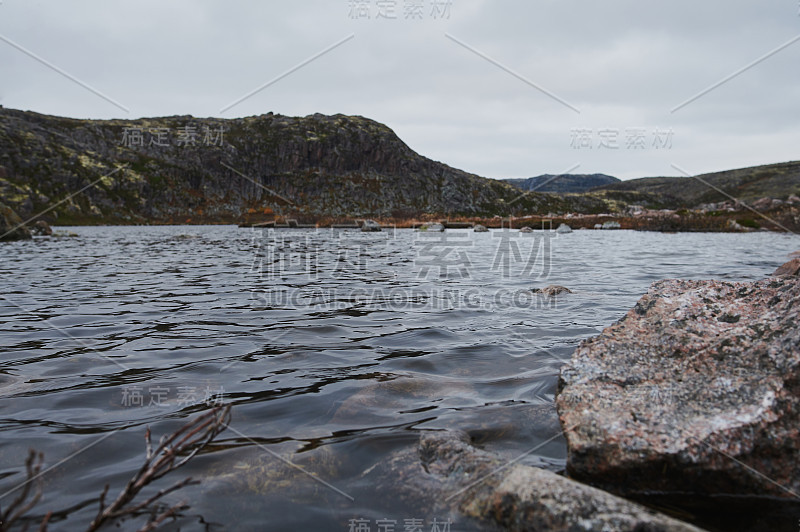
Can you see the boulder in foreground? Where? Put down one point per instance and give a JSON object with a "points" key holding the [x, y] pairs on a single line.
{"points": [[695, 390]]}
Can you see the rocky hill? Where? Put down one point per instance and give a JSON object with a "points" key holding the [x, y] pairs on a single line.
{"points": [[777, 181], [563, 184], [182, 168]]}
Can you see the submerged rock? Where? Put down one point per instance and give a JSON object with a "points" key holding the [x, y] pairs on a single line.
{"points": [[379, 402], [697, 387], [552, 290], [446, 473], [480, 229], [370, 226], [11, 227], [291, 477]]}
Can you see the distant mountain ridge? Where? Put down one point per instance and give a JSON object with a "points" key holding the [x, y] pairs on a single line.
{"points": [[563, 184], [744, 184]]}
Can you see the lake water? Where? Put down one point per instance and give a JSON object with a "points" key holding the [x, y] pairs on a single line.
{"points": [[335, 348]]}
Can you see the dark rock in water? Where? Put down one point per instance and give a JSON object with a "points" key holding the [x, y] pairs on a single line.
{"points": [[552, 290], [11, 227], [695, 390], [480, 229], [791, 268], [41, 228], [526, 230], [446, 473], [370, 226]]}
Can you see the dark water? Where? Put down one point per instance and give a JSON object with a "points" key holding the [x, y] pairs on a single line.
{"points": [[335, 348]]}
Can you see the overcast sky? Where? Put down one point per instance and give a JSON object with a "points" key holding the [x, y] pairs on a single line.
{"points": [[601, 74]]}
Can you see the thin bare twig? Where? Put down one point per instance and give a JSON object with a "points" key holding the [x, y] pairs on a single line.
{"points": [[26, 500], [187, 442], [173, 451], [171, 511]]}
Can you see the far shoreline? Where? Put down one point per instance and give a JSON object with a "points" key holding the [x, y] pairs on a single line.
{"points": [[649, 221]]}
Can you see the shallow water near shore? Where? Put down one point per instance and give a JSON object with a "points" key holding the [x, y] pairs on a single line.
{"points": [[335, 348]]}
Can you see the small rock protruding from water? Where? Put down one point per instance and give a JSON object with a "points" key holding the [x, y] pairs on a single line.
{"points": [[41, 228], [370, 226], [526, 229], [598, 226], [480, 229], [552, 290], [432, 228], [564, 229]]}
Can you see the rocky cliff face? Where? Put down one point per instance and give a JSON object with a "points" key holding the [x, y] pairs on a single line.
{"points": [[174, 168]]}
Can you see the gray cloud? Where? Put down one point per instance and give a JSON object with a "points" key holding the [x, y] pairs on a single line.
{"points": [[625, 64]]}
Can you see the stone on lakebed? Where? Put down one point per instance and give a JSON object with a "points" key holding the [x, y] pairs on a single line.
{"points": [[445, 473]]}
